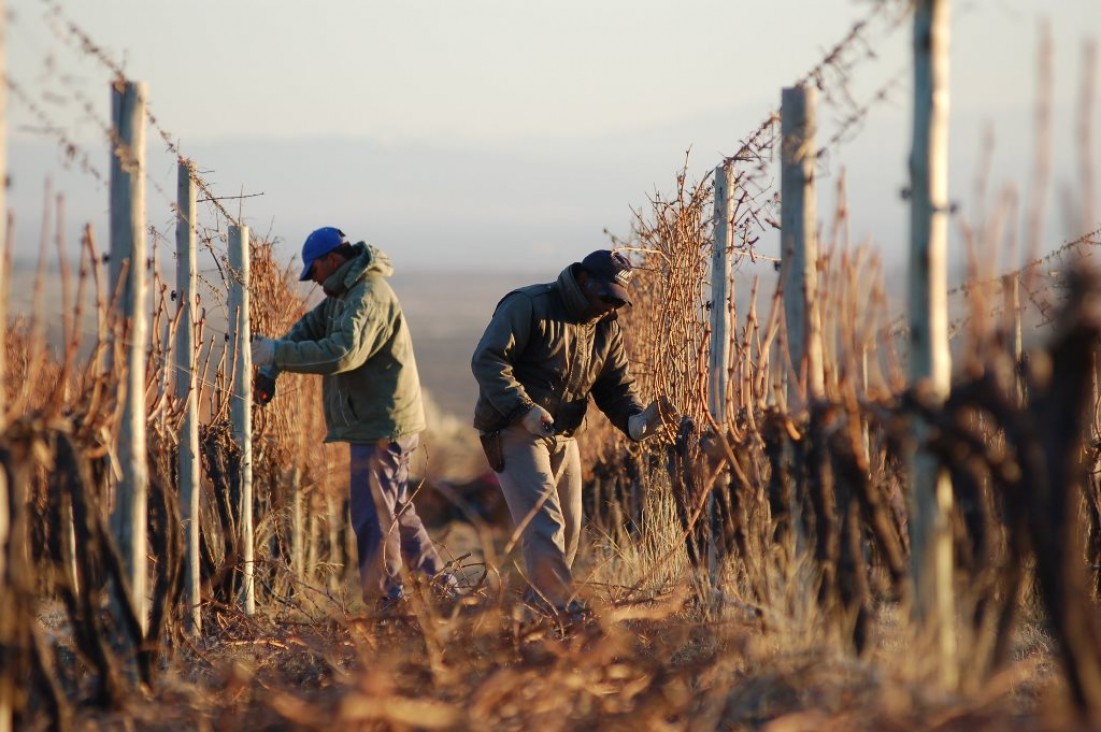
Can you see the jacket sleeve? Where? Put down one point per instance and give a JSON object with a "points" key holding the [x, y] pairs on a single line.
{"points": [[359, 330], [309, 327], [614, 390], [503, 342]]}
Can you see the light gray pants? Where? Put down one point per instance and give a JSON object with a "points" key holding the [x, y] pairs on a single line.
{"points": [[541, 483]]}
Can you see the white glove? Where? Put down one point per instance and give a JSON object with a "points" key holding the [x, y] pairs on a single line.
{"points": [[538, 421], [646, 422], [263, 351]]}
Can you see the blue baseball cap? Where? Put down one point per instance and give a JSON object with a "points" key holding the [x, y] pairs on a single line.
{"points": [[318, 244]]}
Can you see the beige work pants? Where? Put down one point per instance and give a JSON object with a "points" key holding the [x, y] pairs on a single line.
{"points": [[541, 483]]}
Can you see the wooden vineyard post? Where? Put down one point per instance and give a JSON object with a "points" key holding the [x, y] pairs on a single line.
{"points": [[298, 523], [929, 358], [129, 518], [1011, 303], [188, 456], [241, 406], [719, 355], [8, 671], [799, 250], [336, 518], [16, 598]]}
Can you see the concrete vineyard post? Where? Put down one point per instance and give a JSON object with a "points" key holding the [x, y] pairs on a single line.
{"points": [[188, 463], [241, 409], [799, 248], [719, 355], [929, 358], [127, 260], [3, 212]]}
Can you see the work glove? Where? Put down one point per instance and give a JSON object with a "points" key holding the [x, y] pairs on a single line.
{"points": [[645, 423], [263, 387], [263, 351], [538, 421]]}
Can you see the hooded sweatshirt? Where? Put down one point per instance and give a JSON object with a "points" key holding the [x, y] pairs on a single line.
{"points": [[542, 347], [358, 339]]}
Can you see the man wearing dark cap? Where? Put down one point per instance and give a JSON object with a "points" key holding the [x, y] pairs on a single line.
{"points": [[358, 340], [546, 350]]}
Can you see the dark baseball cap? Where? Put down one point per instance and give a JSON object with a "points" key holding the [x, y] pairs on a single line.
{"points": [[611, 270]]}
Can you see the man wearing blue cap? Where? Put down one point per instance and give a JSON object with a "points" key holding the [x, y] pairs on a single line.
{"points": [[546, 350], [358, 340]]}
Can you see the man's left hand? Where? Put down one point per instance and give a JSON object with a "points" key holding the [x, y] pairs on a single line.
{"points": [[648, 421], [263, 351]]}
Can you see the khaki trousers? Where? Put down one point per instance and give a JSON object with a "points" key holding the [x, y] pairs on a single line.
{"points": [[541, 484]]}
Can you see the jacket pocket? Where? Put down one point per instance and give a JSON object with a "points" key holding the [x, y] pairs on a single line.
{"points": [[342, 406]]}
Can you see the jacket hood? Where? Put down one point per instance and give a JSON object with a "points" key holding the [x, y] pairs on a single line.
{"points": [[574, 297], [368, 260]]}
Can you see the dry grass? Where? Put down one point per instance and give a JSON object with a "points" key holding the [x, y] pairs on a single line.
{"points": [[761, 636], [647, 665]]}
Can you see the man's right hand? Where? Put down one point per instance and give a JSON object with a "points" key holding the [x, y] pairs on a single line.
{"points": [[263, 387], [538, 421]]}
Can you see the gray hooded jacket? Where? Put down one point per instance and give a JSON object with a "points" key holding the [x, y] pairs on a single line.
{"points": [[358, 339]]}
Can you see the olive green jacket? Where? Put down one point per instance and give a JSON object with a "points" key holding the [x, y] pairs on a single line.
{"points": [[541, 348], [358, 339]]}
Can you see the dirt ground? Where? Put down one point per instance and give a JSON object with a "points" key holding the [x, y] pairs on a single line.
{"points": [[655, 662], [481, 670]]}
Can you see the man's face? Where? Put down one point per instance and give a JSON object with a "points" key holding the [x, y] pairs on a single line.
{"points": [[599, 304], [324, 266]]}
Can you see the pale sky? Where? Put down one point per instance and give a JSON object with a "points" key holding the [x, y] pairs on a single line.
{"points": [[504, 133]]}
